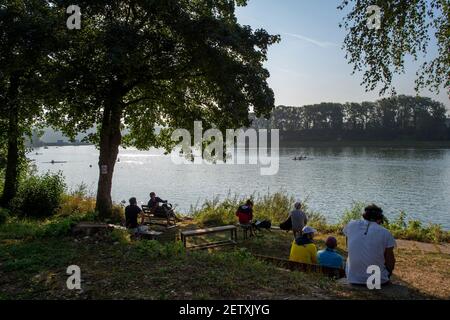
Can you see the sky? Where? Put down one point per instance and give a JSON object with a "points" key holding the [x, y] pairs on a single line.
{"points": [[308, 66]]}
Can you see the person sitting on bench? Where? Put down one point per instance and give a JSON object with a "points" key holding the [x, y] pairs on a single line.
{"points": [[245, 213], [132, 212], [155, 208], [329, 257], [303, 249]]}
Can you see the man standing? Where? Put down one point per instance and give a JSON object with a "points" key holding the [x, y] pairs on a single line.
{"points": [[369, 244], [298, 219]]}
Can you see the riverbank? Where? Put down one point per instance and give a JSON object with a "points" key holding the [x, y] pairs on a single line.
{"points": [[275, 207], [34, 256], [445, 144], [114, 267]]}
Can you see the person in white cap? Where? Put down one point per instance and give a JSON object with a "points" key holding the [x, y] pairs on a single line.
{"points": [[298, 219], [303, 248]]}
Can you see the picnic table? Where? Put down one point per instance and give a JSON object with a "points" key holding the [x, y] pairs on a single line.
{"points": [[168, 222], [206, 231]]}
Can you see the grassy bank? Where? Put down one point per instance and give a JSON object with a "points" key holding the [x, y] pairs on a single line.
{"points": [[114, 267], [276, 207], [34, 255]]}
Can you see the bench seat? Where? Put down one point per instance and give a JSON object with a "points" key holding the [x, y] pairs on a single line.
{"points": [[200, 232]]}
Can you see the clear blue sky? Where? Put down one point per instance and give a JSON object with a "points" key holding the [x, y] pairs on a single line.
{"points": [[309, 65]]}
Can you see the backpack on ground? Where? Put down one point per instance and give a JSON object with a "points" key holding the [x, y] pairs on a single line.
{"points": [[264, 224], [286, 225]]}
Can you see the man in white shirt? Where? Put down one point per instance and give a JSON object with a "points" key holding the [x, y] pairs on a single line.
{"points": [[369, 244]]}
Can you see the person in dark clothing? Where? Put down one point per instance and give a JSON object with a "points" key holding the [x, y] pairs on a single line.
{"points": [[132, 212], [153, 205], [245, 213]]}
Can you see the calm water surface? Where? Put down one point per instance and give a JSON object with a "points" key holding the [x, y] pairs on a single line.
{"points": [[414, 180]]}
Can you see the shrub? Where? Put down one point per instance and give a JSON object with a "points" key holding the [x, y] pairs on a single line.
{"points": [[120, 236], [81, 191], [117, 215], [274, 207], [56, 228], [216, 212], [318, 222], [414, 230], [39, 196], [355, 213], [73, 205]]}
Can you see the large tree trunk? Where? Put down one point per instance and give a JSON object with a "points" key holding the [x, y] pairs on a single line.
{"points": [[110, 139], [12, 162]]}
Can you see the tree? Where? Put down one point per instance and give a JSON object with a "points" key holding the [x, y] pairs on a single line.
{"points": [[25, 42], [396, 117], [142, 63], [405, 30]]}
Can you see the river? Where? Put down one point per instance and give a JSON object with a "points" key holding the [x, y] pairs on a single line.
{"points": [[415, 180]]}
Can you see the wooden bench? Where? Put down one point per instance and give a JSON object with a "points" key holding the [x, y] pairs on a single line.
{"points": [[88, 228], [304, 267], [206, 231], [163, 221], [247, 229]]}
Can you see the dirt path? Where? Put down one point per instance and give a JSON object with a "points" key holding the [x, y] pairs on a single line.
{"points": [[424, 247]]}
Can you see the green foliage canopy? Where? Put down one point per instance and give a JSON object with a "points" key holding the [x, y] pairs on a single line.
{"points": [[408, 28], [168, 62]]}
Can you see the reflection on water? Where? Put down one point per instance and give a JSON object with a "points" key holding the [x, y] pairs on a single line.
{"points": [[414, 180]]}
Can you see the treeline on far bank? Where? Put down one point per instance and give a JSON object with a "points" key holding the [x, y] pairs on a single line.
{"points": [[394, 118]]}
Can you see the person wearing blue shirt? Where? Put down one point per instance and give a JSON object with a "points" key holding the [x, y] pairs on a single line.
{"points": [[329, 257]]}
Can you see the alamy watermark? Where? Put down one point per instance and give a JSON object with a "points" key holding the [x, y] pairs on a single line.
{"points": [[374, 17], [74, 280], [74, 20], [210, 147], [374, 280]]}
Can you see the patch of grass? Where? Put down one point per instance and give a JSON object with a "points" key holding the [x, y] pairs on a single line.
{"points": [[34, 255], [30, 257], [120, 236], [146, 269], [18, 228], [34, 268], [153, 249]]}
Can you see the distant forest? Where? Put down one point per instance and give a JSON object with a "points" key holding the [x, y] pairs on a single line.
{"points": [[394, 118]]}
